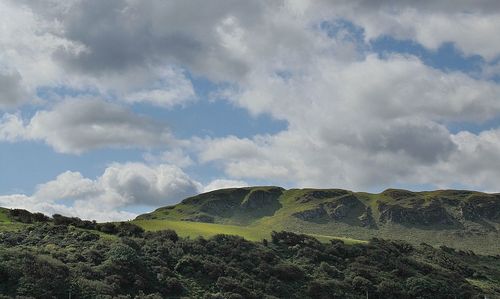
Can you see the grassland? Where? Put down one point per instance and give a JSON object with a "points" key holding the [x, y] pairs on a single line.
{"points": [[222, 211], [6, 224], [196, 229]]}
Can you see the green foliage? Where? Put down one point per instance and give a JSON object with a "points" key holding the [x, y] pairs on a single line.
{"points": [[19, 215], [52, 261]]}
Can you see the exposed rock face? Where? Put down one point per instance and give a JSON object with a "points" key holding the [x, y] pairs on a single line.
{"points": [[367, 219], [200, 218], [321, 194], [229, 202], [261, 198], [341, 207], [311, 215], [222, 203], [481, 206], [417, 215]]}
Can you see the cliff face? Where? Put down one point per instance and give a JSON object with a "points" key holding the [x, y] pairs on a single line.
{"points": [[433, 214]]}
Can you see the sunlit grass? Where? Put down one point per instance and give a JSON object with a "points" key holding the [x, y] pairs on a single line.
{"points": [[196, 229]]}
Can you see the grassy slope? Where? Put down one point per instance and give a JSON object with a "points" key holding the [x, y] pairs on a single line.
{"points": [[3, 216], [195, 229], [6, 224], [258, 228]]}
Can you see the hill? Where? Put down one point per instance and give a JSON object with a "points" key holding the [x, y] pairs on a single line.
{"points": [[53, 257], [467, 220]]}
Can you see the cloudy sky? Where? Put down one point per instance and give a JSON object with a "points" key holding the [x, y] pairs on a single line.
{"points": [[113, 108]]}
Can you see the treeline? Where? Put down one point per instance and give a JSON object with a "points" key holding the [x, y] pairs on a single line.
{"points": [[121, 229], [58, 258]]}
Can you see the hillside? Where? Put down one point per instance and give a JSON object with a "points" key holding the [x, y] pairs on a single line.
{"points": [[53, 257], [461, 219], [56, 259]]}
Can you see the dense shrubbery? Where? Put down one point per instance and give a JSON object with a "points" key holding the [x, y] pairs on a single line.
{"points": [[24, 216], [52, 261], [122, 229]]}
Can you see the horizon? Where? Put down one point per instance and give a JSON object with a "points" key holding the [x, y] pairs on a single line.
{"points": [[146, 103]]}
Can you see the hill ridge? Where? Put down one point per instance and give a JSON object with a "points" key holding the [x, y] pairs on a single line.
{"points": [[456, 216]]}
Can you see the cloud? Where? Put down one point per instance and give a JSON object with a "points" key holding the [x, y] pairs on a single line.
{"points": [[105, 198], [79, 125], [355, 119], [223, 184], [467, 25], [12, 92], [365, 124], [171, 89], [127, 34]]}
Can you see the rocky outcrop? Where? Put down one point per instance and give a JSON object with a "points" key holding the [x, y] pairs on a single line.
{"points": [[321, 194], [338, 209], [311, 215], [259, 199], [481, 206], [341, 208], [432, 214], [367, 219]]}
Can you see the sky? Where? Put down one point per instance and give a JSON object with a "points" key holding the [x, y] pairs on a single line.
{"points": [[109, 109]]}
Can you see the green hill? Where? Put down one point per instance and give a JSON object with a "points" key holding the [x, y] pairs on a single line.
{"points": [[461, 219], [42, 257]]}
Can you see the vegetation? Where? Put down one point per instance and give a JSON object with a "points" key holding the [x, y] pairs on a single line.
{"points": [[50, 260], [465, 220], [237, 243]]}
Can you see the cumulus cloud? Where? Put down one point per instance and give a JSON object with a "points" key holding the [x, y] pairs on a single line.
{"points": [[355, 119], [78, 125], [365, 124], [468, 25], [172, 88], [105, 198]]}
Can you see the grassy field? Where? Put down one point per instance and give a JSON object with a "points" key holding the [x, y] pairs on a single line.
{"points": [[195, 229], [3, 216]]}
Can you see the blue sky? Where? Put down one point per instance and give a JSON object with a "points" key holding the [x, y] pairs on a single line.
{"points": [[109, 115]]}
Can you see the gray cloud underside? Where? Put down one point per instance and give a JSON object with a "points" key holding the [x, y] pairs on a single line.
{"points": [[78, 125]]}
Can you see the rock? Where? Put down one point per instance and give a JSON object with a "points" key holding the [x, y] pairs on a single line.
{"points": [[366, 219], [311, 215], [341, 207], [481, 206], [259, 199], [417, 215], [321, 194]]}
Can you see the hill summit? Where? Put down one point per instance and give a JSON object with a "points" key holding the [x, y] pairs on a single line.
{"points": [[463, 219]]}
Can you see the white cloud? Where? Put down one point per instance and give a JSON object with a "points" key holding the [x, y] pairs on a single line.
{"points": [[171, 89], [365, 124], [468, 25], [78, 125], [11, 128], [105, 198], [355, 120], [176, 156], [223, 184]]}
